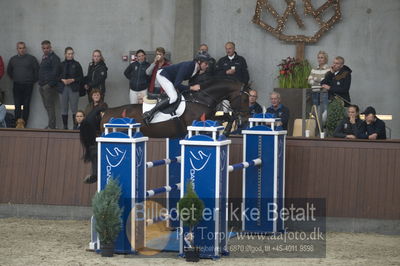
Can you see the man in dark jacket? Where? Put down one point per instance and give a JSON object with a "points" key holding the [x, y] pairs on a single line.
{"points": [[278, 109], [138, 80], [23, 70], [338, 80], [48, 77], [232, 65], [373, 127]]}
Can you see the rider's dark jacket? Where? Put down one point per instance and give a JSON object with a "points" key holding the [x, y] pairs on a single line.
{"points": [[178, 73]]}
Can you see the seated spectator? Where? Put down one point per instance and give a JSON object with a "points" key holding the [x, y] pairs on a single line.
{"points": [[97, 101], [254, 107], [338, 80], [159, 62], [79, 116], [278, 109], [373, 127], [351, 127]]}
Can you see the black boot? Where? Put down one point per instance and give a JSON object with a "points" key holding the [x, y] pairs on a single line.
{"points": [[74, 122], [148, 116], [65, 121]]}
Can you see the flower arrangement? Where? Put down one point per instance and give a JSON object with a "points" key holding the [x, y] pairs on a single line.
{"points": [[293, 73]]}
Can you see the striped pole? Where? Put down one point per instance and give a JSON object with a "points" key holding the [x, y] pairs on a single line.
{"points": [[163, 162], [152, 192], [242, 165]]}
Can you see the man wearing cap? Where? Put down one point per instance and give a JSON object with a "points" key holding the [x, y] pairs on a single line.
{"points": [[374, 128], [338, 80]]}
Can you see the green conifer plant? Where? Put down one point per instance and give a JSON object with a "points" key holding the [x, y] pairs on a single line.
{"points": [[107, 212], [190, 208]]}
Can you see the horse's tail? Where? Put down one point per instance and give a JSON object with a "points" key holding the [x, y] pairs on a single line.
{"points": [[88, 138], [88, 132]]}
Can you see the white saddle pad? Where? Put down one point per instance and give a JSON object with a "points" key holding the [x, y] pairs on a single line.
{"points": [[161, 117]]}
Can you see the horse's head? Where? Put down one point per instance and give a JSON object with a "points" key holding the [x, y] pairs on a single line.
{"points": [[239, 102], [218, 89]]}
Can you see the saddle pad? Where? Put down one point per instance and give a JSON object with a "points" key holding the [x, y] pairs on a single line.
{"points": [[160, 116]]}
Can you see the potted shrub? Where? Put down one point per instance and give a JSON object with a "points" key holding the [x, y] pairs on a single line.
{"points": [[107, 212], [336, 113], [190, 209]]}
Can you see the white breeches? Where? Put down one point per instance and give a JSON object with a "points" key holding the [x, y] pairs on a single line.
{"points": [[167, 86]]}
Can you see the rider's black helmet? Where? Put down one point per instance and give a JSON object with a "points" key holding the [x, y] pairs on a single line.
{"points": [[202, 56]]}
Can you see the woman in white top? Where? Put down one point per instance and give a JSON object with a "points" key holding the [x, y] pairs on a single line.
{"points": [[319, 95]]}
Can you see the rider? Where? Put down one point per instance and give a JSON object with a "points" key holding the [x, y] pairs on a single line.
{"points": [[171, 78]]}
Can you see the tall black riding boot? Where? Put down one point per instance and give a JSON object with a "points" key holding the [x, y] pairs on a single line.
{"points": [[65, 121], [74, 121], [148, 116]]}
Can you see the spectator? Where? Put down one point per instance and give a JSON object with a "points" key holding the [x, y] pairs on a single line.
{"points": [[79, 116], [23, 70], [97, 101], [159, 62], [338, 80], [96, 75], [254, 107], [373, 127], [232, 65], [203, 76], [1, 67], [48, 77], [71, 78], [171, 79], [351, 127], [138, 80], [319, 95], [278, 109]]}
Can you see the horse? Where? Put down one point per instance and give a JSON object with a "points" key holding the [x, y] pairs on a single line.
{"points": [[199, 104]]}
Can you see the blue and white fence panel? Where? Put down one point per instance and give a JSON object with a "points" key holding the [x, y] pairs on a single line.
{"points": [[122, 155], [264, 187], [205, 163]]}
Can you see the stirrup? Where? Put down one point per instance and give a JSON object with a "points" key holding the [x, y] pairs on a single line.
{"points": [[147, 117]]}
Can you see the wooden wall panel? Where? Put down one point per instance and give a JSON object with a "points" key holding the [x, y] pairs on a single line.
{"points": [[358, 179]]}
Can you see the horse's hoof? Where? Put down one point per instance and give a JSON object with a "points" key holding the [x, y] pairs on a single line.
{"points": [[90, 179]]}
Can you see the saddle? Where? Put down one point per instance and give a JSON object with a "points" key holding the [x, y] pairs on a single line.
{"points": [[173, 110]]}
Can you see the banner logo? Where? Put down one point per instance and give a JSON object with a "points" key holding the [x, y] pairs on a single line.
{"points": [[201, 160], [115, 157]]}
